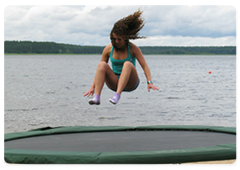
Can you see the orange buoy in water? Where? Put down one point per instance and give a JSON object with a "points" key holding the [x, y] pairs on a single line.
{"points": [[209, 72]]}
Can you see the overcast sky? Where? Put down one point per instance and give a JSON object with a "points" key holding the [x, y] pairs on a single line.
{"points": [[91, 25]]}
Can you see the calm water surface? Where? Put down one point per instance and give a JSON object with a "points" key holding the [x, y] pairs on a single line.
{"points": [[47, 90]]}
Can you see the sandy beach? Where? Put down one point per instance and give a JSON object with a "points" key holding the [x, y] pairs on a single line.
{"points": [[227, 162], [214, 162]]}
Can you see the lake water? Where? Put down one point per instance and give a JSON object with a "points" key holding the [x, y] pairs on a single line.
{"points": [[47, 90]]}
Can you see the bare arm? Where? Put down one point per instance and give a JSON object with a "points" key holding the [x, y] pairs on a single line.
{"points": [[138, 54]]}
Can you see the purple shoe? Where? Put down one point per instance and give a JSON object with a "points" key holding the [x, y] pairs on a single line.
{"points": [[115, 98], [95, 100]]}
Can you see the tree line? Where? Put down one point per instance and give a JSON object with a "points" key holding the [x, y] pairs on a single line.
{"points": [[29, 47]]}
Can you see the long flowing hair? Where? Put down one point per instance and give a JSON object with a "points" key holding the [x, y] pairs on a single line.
{"points": [[129, 27]]}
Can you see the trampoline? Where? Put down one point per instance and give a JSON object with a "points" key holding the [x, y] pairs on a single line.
{"points": [[121, 145]]}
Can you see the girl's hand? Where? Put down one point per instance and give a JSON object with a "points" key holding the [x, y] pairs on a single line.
{"points": [[151, 86], [89, 92]]}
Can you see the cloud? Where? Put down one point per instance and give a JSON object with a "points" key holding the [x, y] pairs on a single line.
{"points": [[204, 21], [186, 41], [91, 25]]}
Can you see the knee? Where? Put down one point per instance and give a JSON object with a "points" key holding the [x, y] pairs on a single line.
{"points": [[102, 65], [128, 64]]}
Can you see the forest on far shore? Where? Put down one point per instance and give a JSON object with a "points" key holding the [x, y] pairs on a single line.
{"points": [[29, 47]]}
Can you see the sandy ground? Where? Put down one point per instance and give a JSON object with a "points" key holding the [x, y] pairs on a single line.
{"points": [[227, 162], [214, 162]]}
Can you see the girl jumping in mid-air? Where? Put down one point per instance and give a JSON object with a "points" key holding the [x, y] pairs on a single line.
{"points": [[123, 54]]}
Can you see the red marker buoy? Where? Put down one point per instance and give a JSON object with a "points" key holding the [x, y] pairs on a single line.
{"points": [[209, 72]]}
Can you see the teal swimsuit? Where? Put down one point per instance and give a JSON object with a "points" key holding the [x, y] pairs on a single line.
{"points": [[118, 64]]}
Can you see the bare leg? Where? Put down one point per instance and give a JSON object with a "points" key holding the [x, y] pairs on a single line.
{"points": [[100, 77], [103, 73], [128, 78]]}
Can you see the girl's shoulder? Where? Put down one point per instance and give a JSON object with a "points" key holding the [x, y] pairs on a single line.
{"points": [[133, 48], [107, 50]]}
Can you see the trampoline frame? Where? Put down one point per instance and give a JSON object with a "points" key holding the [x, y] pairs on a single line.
{"points": [[225, 151]]}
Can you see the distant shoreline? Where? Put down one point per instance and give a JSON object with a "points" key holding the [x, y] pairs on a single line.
{"points": [[101, 54], [52, 48]]}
